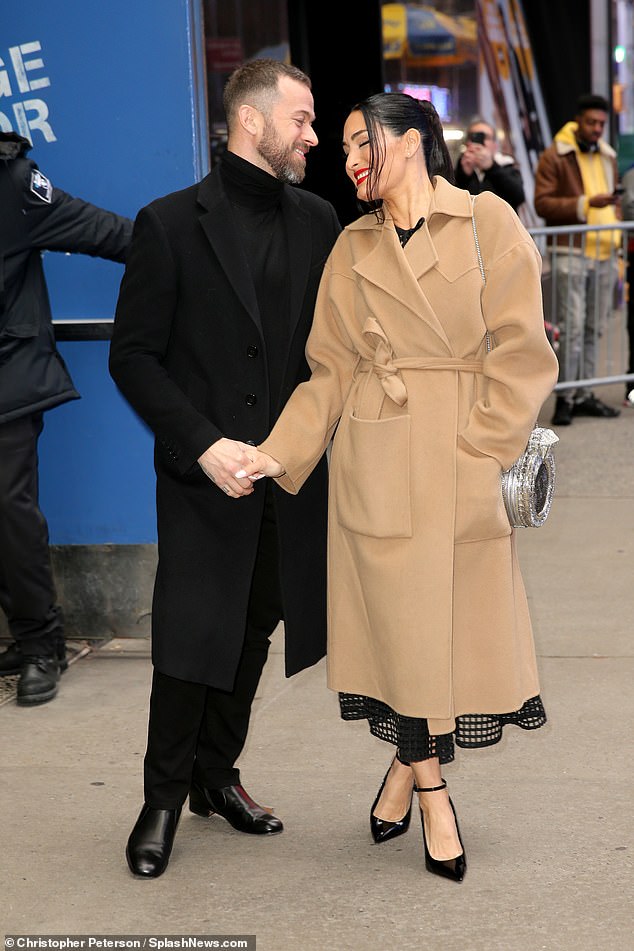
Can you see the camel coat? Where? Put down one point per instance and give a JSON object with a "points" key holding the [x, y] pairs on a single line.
{"points": [[426, 607]]}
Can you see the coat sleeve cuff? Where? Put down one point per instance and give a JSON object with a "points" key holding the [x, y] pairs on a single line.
{"points": [[285, 481]]}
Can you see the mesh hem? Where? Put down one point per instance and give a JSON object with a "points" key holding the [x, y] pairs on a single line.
{"points": [[411, 735]]}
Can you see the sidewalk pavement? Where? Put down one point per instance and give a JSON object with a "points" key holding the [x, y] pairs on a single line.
{"points": [[545, 816]]}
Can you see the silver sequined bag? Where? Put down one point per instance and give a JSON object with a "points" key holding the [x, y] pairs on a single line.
{"points": [[528, 486]]}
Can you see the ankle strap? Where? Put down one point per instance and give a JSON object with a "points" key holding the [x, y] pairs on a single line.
{"points": [[430, 788]]}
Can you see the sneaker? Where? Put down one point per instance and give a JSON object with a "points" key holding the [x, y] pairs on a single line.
{"points": [[592, 406], [11, 661], [38, 680], [563, 413]]}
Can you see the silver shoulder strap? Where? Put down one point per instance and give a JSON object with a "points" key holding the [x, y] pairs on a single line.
{"points": [[475, 238], [489, 342]]}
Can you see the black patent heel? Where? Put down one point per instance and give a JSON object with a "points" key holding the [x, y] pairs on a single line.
{"points": [[383, 829], [453, 869]]}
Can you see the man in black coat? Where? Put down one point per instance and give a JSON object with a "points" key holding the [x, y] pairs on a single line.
{"points": [[213, 315], [34, 216]]}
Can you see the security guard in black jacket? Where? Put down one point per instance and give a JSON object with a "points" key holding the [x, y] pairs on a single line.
{"points": [[34, 217]]}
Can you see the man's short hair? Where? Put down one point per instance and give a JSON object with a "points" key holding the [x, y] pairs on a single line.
{"points": [[590, 101], [478, 120], [256, 83]]}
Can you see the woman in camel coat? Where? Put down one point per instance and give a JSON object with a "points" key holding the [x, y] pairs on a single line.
{"points": [[433, 380]]}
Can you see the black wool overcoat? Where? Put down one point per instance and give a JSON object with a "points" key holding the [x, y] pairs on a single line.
{"points": [[188, 353]]}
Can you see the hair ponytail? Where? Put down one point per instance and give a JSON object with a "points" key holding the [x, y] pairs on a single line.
{"points": [[435, 148]]}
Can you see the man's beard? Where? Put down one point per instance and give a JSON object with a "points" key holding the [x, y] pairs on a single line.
{"points": [[273, 151]]}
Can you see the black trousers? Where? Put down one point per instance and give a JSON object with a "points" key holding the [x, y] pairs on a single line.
{"points": [[197, 730], [27, 590]]}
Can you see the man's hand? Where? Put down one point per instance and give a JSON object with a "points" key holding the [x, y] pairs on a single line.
{"points": [[222, 461], [603, 200], [476, 156]]}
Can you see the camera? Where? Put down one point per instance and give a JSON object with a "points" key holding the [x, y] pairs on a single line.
{"points": [[477, 137]]}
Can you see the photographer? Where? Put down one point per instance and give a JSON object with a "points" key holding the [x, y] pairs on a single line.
{"points": [[481, 168]]}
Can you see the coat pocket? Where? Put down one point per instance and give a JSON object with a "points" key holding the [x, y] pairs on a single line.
{"points": [[373, 478], [480, 511]]}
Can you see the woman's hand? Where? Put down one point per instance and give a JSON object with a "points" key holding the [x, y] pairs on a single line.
{"points": [[261, 465]]}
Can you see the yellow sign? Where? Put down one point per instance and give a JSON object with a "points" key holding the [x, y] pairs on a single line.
{"points": [[422, 35], [394, 30]]}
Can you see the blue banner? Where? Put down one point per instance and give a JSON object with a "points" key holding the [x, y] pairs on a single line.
{"points": [[112, 97]]}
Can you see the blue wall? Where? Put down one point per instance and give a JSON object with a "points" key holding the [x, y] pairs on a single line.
{"points": [[96, 459], [112, 97]]}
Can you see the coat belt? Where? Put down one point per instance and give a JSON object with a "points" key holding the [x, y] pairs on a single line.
{"points": [[386, 366], [388, 370]]}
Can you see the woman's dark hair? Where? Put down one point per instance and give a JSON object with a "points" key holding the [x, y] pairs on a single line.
{"points": [[399, 112]]}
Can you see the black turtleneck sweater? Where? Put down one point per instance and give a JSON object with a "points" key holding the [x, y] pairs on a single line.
{"points": [[255, 198]]}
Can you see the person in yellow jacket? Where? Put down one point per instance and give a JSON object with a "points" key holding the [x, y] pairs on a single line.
{"points": [[575, 184]]}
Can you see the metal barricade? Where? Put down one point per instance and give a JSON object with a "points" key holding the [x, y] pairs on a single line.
{"points": [[585, 301]]}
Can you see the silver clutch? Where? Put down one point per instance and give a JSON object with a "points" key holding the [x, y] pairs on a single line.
{"points": [[528, 486]]}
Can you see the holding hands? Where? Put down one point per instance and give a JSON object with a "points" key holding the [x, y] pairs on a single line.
{"points": [[223, 461], [261, 465], [234, 466]]}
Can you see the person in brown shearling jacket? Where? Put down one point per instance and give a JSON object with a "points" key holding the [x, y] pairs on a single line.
{"points": [[574, 185]]}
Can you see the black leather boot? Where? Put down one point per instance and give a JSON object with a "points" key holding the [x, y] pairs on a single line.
{"points": [[60, 650], [150, 844], [38, 680], [11, 661], [235, 805], [563, 412]]}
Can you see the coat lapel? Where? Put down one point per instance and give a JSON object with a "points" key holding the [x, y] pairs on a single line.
{"points": [[386, 267], [217, 223], [399, 274]]}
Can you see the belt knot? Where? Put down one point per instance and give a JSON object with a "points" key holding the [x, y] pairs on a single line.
{"points": [[387, 368]]}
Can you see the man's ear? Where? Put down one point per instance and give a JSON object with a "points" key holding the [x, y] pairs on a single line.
{"points": [[250, 119]]}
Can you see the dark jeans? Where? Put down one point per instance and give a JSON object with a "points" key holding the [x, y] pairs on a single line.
{"points": [[27, 590], [199, 730]]}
